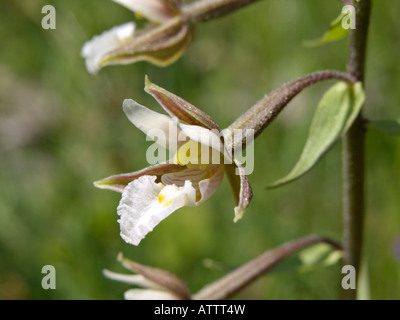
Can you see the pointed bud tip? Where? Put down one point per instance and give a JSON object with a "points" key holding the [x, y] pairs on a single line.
{"points": [[238, 215], [128, 263], [148, 85], [98, 183], [102, 184], [147, 81], [129, 105], [120, 257], [106, 273]]}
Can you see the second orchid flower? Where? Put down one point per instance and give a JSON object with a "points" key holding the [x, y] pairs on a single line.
{"points": [[161, 42]]}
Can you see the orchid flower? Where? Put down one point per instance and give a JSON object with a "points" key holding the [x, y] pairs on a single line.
{"points": [[161, 43], [189, 178], [157, 284]]}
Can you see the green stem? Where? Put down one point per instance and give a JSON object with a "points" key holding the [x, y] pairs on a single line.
{"points": [[354, 153]]}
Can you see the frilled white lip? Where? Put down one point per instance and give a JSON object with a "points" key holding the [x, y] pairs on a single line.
{"points": [[96, 49], [145, 203]]}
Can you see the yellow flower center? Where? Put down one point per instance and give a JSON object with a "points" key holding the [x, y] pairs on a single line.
{"points": [[138, 15], [190, 154], [164, 200]]}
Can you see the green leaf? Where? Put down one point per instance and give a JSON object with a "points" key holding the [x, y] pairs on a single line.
{"points": [[357, 99], [336, 32], [335, 113], [386, 126]]}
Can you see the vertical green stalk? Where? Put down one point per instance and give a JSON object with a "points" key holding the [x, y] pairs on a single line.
{"points": [[354, 152]]}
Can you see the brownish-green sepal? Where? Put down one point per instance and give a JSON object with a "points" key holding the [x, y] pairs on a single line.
{"points": [[240, 187], [164, 279], [160, 45], [178, 107], [118, 182]]}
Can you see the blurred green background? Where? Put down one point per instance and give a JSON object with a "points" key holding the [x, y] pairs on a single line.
{"points": [[62, 128]]}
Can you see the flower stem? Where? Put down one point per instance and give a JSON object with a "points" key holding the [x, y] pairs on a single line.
{"points": [[204, 10], [239, 278], [354, 153], [259, 116]]}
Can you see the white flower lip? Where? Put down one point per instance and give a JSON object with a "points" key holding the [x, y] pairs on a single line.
{"points": [[97, 48], [145, 203]]}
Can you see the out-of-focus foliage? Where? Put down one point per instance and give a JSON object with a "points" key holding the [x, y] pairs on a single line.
{"points": [[386, 126], [62, 128], [334, 33]]}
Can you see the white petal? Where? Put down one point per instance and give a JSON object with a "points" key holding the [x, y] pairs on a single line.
{"points": [[206, 137], [206, 181], [179, 178], [95, 49], [209, 186], [134, 279], [153, 124], [145, 204], [202, 135], [147, 294], [154, 10]]}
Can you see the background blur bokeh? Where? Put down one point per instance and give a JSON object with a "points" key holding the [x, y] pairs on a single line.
{"points": [[62, 128]]}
